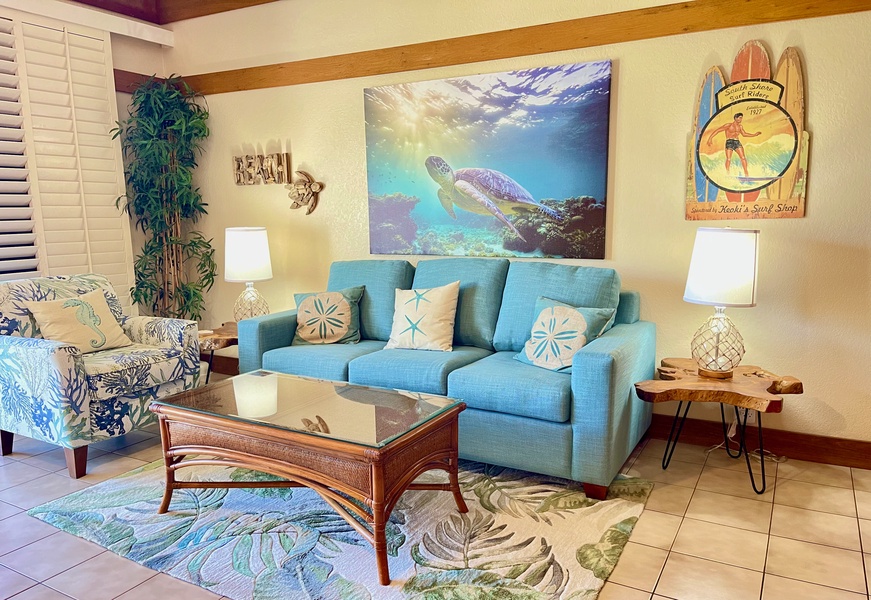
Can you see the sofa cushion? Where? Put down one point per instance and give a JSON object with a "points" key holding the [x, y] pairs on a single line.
{"points": [[127, 370], [328, 317], [559, 331], [423, 319], [414, 370], [482, 281], [578, 286], [380, 278], [499, 383], [321, 361]]}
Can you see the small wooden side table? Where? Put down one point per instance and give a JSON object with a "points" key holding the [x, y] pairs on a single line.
{"points": [[210, 340], [750, 387]]}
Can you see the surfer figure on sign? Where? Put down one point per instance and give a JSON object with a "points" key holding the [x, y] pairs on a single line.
{"points": [[733, 130]]}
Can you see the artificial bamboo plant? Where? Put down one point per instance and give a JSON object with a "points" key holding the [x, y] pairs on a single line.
{"points": [[161, 140]]}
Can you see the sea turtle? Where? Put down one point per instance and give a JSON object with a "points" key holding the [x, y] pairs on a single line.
{"points": [[483, 191]]}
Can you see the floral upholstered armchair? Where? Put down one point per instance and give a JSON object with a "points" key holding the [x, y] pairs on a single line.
{"points": [[52, 392]]}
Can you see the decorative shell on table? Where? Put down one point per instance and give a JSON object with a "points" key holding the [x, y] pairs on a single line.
{"points": [[304, 192]]}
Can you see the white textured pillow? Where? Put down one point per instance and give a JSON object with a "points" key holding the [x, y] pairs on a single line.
{"points": [[424, 319]]}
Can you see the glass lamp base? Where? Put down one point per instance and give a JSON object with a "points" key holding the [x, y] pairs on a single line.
{"points": [[717, 347], [250, 304]]}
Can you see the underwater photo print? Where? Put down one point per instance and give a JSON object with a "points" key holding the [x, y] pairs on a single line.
{"points": [[502, 164]]}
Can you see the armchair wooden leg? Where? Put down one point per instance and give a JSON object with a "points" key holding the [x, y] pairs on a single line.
{"points": [[596, 492], [6, 442], [77, 461]]}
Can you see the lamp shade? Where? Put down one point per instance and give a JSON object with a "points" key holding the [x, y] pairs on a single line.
{"points": [[246, 251], [723, 267]]}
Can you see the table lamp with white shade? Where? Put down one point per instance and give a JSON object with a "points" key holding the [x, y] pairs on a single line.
{"points": [[246, 251], [722, 273]]}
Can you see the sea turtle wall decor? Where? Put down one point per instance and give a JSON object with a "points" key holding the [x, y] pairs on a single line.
{"points": [[304, 192]]}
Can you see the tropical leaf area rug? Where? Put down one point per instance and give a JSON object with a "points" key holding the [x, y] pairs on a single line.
{"points": [[525, 536]]}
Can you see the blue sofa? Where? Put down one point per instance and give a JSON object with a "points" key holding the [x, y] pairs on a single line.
{"points": [[580, 425]]}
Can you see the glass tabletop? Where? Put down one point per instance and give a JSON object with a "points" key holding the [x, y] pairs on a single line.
{"points": [[353, 413]]}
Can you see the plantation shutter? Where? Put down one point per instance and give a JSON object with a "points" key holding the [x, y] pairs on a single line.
{"points": [[18, 249], [75, 166]]}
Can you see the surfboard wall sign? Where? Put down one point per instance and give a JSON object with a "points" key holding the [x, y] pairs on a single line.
{"points": [[748, 146]]}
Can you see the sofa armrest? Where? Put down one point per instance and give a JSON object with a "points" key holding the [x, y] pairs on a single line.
{"points": [[162, 332], [262, 334], [44, 391], [608, 418], [178, 334]]}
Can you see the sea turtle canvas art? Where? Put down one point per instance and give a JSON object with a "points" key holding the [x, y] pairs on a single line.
{"points": [[502, 164]]}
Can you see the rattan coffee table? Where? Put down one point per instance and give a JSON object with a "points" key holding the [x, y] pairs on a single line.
{"points": [[360, 448]]}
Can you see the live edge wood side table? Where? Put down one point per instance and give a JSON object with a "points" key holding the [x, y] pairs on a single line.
{"points": [[215, 339], [750, 387]]}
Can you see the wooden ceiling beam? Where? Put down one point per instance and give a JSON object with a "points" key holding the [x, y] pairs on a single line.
{"points": [[599, 30], [171, 11], [161, 12]]}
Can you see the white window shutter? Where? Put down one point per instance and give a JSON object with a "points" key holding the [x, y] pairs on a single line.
{"points": [[18, 247], [60, 170]]}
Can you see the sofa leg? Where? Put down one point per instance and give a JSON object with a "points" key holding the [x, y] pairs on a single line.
{"points": [[6, 442], [596, 492], [77, 461]]}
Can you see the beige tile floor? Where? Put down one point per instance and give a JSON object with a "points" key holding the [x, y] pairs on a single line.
{"points": [[704, 534]]}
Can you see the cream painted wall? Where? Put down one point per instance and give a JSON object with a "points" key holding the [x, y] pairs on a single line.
{"points": [[812, 319], [137, 56]]}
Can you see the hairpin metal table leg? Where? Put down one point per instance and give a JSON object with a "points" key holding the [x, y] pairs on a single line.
{"points": [[211, 360], [671, 444], [742, 426], [726, 433]]}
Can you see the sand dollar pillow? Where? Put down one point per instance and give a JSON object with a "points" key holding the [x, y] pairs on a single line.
{"points": [[85, 321], [424, 319], [328, 317], [559, 331]]}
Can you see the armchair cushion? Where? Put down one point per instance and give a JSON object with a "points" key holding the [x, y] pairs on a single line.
{"points": [[125, 371], [84, 321]]}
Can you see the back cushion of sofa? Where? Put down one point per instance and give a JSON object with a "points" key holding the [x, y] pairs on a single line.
{"points": [[579, 286], [629, 310], [482, 281], [380, 278]]}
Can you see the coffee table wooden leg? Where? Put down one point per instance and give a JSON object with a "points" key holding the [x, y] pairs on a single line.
{"points": [[167, 462], [167, 492], [380, 544], [455, 486]]}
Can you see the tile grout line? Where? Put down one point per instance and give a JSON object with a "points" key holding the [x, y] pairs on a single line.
{"points": [[861, 543], [768, 540]]}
